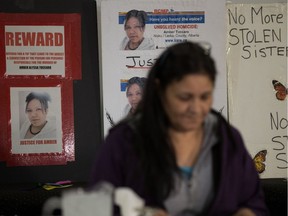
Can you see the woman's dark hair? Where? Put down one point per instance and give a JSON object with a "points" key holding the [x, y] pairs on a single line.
{"points": [[42, 97], [140, 81], [151, 122], [140, 15]]}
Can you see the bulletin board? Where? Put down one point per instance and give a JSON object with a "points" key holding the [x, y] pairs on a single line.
{"points": [[41, 55], [81, 100]]}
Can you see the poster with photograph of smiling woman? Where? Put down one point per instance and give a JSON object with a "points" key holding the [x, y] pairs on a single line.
{"points": [[134, 26], [36, 120], [134, 33]]}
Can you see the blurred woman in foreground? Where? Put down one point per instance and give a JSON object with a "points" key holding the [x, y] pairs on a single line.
{"points": [[175, 151]]}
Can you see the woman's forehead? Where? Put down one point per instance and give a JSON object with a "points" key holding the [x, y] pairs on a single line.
{"points": [[133, 20], [34, 102], [134, 86]]}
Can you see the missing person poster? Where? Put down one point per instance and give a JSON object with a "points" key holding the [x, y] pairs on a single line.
{"points": [[257, 82], [36, 120], [41, 45], [134, 33], [32, 116]]}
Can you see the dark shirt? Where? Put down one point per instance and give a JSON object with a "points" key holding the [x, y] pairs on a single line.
{"points": [[237, 182]]}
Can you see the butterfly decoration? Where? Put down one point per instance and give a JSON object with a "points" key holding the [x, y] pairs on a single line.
{"points": [[259, 160], [281, 90]]}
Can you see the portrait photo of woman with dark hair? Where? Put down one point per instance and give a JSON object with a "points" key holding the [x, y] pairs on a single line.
{"points": [[134, 26], [134, 91], [37, 125]]}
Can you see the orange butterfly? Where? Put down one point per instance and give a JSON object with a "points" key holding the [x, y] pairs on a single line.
{"points": [[281, 90], [259, 160]]}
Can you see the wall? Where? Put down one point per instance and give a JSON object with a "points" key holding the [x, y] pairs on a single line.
{"points": [[256, 1], [87, 97]]}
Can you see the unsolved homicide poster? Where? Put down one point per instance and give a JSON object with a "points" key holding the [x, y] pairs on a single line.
{"points": [[161, 24]]}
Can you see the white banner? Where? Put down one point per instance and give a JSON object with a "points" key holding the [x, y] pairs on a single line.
{"points": [[257, 82]]}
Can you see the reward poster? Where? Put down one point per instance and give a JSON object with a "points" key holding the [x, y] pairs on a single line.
{"points": [[40, 58], [40, 45], [35, 50], [130, 47], [257, 82]]}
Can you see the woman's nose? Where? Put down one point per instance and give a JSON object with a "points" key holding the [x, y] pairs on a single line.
{"points": [[194, 105], [134, 97], [34, 113], [131, 32]]}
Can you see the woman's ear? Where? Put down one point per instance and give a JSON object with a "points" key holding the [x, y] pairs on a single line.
{"points": [[143, 29]]}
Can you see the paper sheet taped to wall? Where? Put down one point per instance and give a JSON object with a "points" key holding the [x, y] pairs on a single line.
{"points": [[257, 82]]}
